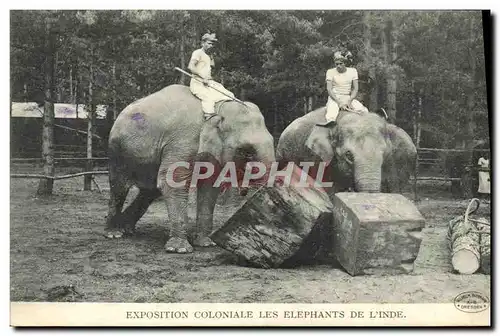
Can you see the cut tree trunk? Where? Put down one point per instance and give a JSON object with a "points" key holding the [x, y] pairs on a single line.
{"points": [[376, 233], [469, 242], [279, 226], [485, 245], [464, 246]]}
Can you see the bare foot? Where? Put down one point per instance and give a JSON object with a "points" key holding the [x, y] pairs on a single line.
{"points": [[204, 241], [178, 245], [113, 234]]}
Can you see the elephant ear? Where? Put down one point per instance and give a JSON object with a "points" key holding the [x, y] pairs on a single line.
{"points": [[320, 142], [211, 144], [401, 143]]}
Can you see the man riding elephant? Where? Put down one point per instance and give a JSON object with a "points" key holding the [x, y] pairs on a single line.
{"points": [[342, 87], [202, 85]]}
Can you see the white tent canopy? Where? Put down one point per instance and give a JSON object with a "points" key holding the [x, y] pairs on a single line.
{"points": [[62, 111]]}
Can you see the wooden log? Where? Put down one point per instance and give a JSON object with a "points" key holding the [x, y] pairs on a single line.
{"points": [[279, 225], [376, 233], [469, 242], [485, 244], [464, 246]]}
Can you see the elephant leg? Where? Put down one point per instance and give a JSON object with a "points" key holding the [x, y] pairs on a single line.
{"points": [[119, 188], [138, 208], [206, 199], [177, 201]]}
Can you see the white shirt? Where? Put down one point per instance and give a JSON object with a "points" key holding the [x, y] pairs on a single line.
{"points": [[204, 63], [484, 163], [342, 82]]}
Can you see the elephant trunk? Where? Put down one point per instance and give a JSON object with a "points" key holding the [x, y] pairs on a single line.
{"points": [[367, 177], [255, 151]]}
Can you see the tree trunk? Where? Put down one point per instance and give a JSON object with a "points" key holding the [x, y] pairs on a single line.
{"points": [[45, 186], [373, 94], [115, 112], [469, 242], [113, 72], [464, 246], [472, 87], [391, 55], [279, 226], [419, 118], [57, 86], [183, 57], [71, 96], [87, 183], [77, 85], [485, 246], [376, 233]]}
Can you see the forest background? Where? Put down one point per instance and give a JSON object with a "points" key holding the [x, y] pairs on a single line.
{"points": [[427, 69]]}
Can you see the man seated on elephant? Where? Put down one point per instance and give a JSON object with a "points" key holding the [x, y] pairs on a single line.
{"points": [[203, 86], [342, 87]]}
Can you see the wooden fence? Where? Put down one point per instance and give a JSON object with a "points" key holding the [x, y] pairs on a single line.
{"points": [[420, 161]]}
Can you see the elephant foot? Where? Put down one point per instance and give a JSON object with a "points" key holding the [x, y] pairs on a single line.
{"points": [[113, 234], [129, 230], [203, 242], [178, 245]]}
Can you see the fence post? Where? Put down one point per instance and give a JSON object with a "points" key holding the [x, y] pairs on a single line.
{"points": [[415, 178]]}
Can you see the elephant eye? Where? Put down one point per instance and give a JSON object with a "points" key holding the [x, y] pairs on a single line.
{"points": [[349, 157]]}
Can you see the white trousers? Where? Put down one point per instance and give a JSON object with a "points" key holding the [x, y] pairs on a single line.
{"points": [[332, 108], [208, 95], [484, 182]]}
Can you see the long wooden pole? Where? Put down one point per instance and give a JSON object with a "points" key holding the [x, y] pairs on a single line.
{"points": [[188, 74]]}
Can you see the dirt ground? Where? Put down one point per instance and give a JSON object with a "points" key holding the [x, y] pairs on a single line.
{"points": [[58, 241]]}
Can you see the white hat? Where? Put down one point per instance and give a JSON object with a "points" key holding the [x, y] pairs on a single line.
{"points": [[209, 37]]}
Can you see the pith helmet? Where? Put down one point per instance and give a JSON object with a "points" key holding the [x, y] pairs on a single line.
{"points": [[209, 37], [344, 56]]}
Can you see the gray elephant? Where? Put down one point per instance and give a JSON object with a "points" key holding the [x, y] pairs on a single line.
{"points": [[154, 133], [365, 153]]}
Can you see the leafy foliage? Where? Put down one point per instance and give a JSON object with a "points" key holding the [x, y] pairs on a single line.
{"points": [[278, 59]]}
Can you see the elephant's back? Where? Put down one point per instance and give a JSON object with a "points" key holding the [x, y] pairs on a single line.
{"points": [[170, 107], [170, 103], [171, 113]]}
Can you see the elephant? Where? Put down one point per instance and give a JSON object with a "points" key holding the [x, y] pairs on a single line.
{"points": [[167, 127], [364, 152]]}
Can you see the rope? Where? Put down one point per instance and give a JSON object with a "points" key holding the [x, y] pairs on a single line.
{"points": [[473, 228]]}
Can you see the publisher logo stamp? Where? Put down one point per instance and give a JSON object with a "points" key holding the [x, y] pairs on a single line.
{"points": [[471, 302]]}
